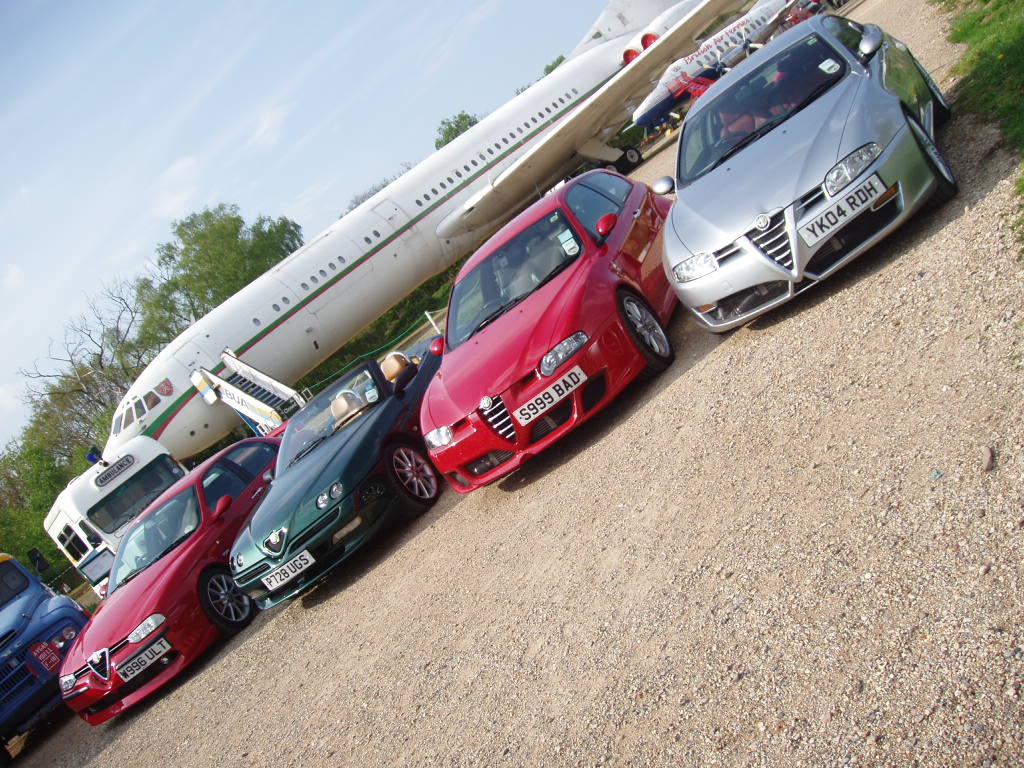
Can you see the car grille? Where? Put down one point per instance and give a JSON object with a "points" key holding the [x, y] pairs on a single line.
{"points": [[850, 237], [489, 461], [10, 685], [808, 201], [252, 573], [722, 255], [497, 416], [774, 241], [299, 542]]}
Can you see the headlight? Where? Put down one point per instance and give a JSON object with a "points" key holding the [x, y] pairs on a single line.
{"points": [[561, 352], [438, 438], [145, 629], [850, 167], [63, 638], [332, 493], [67, 682], [698, 265]]}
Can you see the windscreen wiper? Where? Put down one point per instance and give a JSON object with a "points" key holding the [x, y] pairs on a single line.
{"points": [[307, 448], [748, 139], [499, 312]]}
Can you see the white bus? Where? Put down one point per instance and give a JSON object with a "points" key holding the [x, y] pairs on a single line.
{"points": [[89, 517]]}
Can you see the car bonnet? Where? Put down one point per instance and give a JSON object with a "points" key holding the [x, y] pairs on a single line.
{"points": [[767, 175]]}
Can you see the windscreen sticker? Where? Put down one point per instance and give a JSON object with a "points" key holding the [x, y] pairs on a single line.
{"points": [[829, 66], [569, 244], [371, 394]]}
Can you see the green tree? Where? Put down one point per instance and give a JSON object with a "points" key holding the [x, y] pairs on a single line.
{"points": [[553, 65], [213, 255], [452, 127]]}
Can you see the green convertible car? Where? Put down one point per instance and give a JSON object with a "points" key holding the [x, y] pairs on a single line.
{"points": [[349, 457]]}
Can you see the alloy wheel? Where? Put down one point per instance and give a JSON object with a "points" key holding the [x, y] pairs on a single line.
{"points": [[227, 599], [414, 473], [646, 326]]}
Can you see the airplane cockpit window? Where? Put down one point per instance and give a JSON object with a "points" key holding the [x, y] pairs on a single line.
{"points": [[116, 429], [140, 409], [129, 417], [152, 399]]}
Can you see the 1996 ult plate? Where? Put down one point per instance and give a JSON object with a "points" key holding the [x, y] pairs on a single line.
{"points": [[141, 661]]}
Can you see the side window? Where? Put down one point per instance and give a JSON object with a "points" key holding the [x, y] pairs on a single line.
{"points": [[152, 399], [72, 542], [253, 457], [589, 206], [616, 188], [847, 32], [221, 481]]}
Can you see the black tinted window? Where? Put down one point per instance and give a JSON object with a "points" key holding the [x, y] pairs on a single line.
{"points": [[221, 481], [253, 457], [614, 187], [12, 581], [589, 206]]}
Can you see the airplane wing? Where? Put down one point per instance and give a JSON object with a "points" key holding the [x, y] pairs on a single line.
{"points": [[538, 168]]}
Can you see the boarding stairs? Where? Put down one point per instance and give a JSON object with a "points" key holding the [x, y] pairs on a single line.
{"points": [[263, 402]]}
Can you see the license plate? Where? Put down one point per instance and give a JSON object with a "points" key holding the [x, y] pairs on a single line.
{"points": [[140, 661], [288, 571], [545, 400], [851, 204], [46, 656]]}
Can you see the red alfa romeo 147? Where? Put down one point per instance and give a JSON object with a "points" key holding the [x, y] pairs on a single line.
{"points": [[547, 322]]}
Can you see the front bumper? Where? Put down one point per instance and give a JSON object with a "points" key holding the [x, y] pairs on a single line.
{"points": [[97, 700], [487, 445], [363, 520], [761, 270]]}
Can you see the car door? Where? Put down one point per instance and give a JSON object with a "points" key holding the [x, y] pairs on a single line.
{"points": [[239, 474]]}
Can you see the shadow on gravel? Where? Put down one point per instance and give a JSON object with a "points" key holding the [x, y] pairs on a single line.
{"points": [[692, 344]]}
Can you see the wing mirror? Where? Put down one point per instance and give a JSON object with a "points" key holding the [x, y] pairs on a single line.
{"points": [[407, 375], [223, 505], [268, 476], [666, 185], [605, 225], [870, 42], [102, 591], [437, 346]]}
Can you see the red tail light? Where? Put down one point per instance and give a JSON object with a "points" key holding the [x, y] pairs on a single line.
{"points": [[648, 39], [629, 54]]}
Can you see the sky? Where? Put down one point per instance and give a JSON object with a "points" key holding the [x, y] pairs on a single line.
{"points": [[118, 118]]}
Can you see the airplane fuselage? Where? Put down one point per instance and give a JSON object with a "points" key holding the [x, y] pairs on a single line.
{"points": [[294, 316]]}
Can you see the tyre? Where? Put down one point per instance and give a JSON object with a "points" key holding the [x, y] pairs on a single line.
{"points": [[940, 106], [630, 159], [5, 754], [946, 185], [646, 332], [226, 606], [412, 477]]}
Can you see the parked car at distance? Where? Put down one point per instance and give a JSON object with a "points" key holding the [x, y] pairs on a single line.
{"points": [[795, 163], [170, 592], [351, 456], [36, 629], [547, 322]]}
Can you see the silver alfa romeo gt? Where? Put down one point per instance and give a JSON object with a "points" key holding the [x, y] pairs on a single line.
{"points": [[796, 162]]}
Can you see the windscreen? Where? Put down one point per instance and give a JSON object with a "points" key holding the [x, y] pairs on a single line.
{"points": [[345, 401], [510, 274], [126, 501], [756, 103], [12, 581], [156, 534]]}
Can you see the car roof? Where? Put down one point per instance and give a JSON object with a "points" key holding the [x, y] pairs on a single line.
{"points": [[804, 29]]}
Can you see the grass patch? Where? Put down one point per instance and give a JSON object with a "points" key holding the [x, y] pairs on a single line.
{"points": [[993, 66]]}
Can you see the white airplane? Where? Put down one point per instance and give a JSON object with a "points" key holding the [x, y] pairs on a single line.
{"points": [[691, 75], [294, 316]]}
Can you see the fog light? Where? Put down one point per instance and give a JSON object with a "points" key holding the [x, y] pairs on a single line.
{"points": [[343, 532]]}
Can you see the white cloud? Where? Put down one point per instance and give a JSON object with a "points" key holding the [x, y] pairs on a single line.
{"points": [[12, 277], [268, 127], [176, 188]]}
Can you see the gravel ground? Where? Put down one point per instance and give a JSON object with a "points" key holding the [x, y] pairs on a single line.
{"points": [[785, 551]]}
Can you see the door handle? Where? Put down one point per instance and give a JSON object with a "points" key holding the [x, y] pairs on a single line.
{"points": [[637, 212], [258, 492]]}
